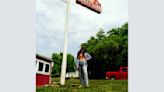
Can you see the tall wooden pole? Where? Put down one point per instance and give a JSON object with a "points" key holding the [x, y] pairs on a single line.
{"points": [[64, 61]]}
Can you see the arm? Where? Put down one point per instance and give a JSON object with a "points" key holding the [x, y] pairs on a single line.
{"points": [[88, 56]]}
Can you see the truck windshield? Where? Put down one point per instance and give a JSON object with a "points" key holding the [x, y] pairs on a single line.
{"points": [[124, 69]]}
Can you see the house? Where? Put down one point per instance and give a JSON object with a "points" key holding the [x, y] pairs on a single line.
{"points": [[43, 70]]}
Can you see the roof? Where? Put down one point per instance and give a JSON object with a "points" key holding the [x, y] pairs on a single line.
{"points": [[38, 56]]}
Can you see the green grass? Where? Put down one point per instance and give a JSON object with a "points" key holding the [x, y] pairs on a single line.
{"points": [[95, 86]]}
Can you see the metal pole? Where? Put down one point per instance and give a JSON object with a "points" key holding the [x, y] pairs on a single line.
{"points": [[64, 61]]}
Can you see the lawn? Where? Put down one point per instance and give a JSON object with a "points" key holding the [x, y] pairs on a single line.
{"points": [[95, 86]]}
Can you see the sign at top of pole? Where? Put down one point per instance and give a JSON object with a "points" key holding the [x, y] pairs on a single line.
{"points": [[93, 5]]}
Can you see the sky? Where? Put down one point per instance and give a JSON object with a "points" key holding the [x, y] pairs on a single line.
{"points": [[83, 23]]}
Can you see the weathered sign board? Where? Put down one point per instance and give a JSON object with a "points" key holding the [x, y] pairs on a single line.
{"points": [[93, 5]]}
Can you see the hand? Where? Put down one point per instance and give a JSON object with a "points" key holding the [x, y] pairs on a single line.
{"points": [[77, 68]]}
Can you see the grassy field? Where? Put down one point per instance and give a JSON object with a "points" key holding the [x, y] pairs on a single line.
{"points": [[95, 86]]}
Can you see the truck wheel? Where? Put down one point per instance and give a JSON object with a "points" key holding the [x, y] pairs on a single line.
{"points": [[106, 78], [112, 78]]}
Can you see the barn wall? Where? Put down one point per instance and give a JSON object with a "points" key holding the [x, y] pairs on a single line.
{"points": [[42, 80]]}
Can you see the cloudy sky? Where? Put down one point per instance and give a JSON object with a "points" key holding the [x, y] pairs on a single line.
{"points": [[83, 23]]}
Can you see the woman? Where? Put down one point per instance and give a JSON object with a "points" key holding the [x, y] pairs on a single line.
{"points": [[82, 57]]}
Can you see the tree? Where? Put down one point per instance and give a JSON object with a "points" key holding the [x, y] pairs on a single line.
{"points": [[109, 51], [100, 34], [70, 63], [57, 58]]}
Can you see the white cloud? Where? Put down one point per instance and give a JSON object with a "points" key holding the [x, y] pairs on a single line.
{"points": [[83, 23]]}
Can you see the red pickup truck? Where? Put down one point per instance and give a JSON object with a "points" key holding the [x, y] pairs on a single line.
{"points": [[118, 75]]}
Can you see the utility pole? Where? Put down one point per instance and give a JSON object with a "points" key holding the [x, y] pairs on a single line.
{"points": [[64, 61]]}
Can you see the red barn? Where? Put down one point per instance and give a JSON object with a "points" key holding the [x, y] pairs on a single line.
{"points": [[43, 70]]}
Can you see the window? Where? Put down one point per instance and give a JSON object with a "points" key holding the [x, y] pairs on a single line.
{"points": [[124, 69], [40, 66], [47, 68]]}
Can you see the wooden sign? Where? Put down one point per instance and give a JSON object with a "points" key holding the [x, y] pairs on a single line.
{"points": [[93, 5]]}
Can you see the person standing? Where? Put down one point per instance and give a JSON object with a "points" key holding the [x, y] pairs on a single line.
{"points": [[82, 57]]}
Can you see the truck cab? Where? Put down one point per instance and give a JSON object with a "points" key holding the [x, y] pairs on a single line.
{"points": [[122, 74]]}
